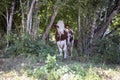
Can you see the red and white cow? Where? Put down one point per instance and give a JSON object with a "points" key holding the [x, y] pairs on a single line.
{"points": [[65, 39]]}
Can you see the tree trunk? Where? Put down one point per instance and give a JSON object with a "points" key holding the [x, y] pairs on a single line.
{"points": [[112, 31], [36, 20], [103, 29], [29, 18], [10, 18], [45, 35], [92, 30], [23, 17], [79, 33], [100, 31]]}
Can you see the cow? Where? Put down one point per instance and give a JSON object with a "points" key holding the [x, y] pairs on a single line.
{"points": [[64, 37]]}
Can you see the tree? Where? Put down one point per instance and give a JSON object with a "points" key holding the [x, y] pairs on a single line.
{"points": [[58, 4], [45, 35], [91, 19]]}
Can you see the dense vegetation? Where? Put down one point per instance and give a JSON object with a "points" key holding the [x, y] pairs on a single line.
{"points": [[26, 33]]}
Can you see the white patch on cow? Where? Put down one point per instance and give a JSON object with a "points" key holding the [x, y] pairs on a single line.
{"points": [[62, 46], [61, 28]]}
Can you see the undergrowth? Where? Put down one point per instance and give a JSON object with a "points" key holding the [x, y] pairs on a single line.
{"points": [[41, 62], [53, 70], [27, 46]]}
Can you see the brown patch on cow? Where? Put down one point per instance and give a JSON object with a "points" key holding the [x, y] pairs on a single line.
{"points": [[71, 38], [55, 26], [61, 37], [70, 32]]}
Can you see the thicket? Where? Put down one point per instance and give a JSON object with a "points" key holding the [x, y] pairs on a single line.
{"points": [[53, 70], [25, 45], [108, 50]]}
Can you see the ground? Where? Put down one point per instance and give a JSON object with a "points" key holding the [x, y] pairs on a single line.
{"points": [[16, 68]]}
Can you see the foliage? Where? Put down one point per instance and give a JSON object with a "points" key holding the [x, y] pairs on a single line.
{"points": [[74, 71], [51, 62], [2, 41], [68, 12], [109, 51], [21, 67], [25, 45], [116, 23]]}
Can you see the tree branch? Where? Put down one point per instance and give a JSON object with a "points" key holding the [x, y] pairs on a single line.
{"points": [[103, 29], [115, 29]]}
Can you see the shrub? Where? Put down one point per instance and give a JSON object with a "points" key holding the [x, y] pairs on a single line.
{"points": [[74, 71], [108, 49], [51, 62], [2, 45], [25, 45]]}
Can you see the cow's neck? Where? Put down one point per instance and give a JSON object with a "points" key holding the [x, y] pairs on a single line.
{"points": [[60, 31], [61, 37]]}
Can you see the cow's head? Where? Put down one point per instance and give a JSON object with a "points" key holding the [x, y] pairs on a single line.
{"points": [[60, 27]]}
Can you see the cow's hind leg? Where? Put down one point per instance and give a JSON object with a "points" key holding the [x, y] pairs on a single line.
{"points": [[71, 50]]}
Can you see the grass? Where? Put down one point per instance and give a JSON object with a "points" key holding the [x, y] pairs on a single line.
{"points": [[30, 68]]}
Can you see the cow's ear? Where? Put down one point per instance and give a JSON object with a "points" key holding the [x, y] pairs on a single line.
{"points": [[67, 26], [55, 26]]}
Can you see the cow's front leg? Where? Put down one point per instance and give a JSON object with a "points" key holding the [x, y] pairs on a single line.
{"points": [[59, 47], [60, 51], [65, 51]]}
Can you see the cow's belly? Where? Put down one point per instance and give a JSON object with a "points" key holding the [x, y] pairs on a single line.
{"points": [[62, 44]]}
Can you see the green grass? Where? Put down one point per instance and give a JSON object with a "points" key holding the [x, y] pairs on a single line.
{"points": [[32, 68]]}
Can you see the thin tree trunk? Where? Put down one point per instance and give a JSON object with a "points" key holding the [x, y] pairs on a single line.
{"points": [[36, 20], [10, 18], [45, 35], [79, 33], [23, 18], [29, 18], [92, 30], [7, 19], [105, 18]]}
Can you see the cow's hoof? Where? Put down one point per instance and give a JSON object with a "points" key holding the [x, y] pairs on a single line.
{"points": [[69, 57], [64, 59]]}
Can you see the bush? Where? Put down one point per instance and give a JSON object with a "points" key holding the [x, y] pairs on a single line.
{"points": [[51, 62], [25, 45], [74, 71], [109, 50], [2, 44]]}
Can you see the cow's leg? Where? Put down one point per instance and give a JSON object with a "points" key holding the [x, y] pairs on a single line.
{"points": [[59, 47], [60, 50], [65, 51], [71, 50]]}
